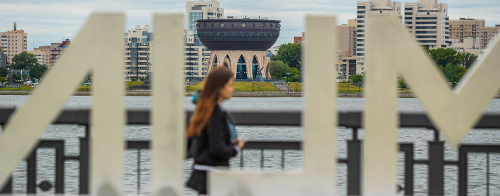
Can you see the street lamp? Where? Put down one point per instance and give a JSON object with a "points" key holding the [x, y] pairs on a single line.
{"points": [[348, 84], [359, 87], [288, 87]]}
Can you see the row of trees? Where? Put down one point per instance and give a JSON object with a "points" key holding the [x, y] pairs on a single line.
{"points": [[453, 64], [24, 61]]}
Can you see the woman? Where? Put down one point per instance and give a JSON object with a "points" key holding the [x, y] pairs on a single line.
{"points": [[212, 131]]}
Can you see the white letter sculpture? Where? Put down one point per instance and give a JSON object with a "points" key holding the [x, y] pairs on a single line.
{"points": [[390, 50], [98, 48], [320, 122]]}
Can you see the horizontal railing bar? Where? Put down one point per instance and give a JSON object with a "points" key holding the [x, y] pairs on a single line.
{"points": [[451, 163], [138, 145], [344, 161], [480, 148], [421, 162], [250, 145], [351, 119], [75, 158], [273, 145]]}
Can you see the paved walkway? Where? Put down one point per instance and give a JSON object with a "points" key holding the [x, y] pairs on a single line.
{"points": [[280, 85]]}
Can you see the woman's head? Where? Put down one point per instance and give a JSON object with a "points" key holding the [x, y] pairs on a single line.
{"points": [[218, 87], [219, 83]]}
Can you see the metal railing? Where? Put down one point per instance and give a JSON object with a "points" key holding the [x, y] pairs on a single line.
{"points": [[352, 120]]}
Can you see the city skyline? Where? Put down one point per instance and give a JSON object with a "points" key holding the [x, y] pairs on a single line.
{"points": [[69, 17]]}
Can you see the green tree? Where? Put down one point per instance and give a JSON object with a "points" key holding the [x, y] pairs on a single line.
{"points": [[402, 83], [278, 69], [467, 59], [459, 73], [3, 79], [16, 76], [450, 72], [37, 71], [294, 74], [291, 54], [356, 78], [24, 60], [3, 72], [444, 57], [88, 77]]}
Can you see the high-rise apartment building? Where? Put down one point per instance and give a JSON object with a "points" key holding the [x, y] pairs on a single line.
{"points": [[474, 29], [43, 55], [347, 38], [465, 28], [138, 53], [56, 50], [487, 35], [428, 22], [195, 54], [197, 10], [372, 8], [14, 42], [195, 58], [3, 58], [347, 49]]}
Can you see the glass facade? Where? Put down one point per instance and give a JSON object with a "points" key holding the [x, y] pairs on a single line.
{"points": [[193, 17], [241, 69]]}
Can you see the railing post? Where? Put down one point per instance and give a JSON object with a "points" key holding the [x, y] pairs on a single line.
{"points": [[436, 166], [462, 172], [84, 162], [59, 185], [408, 149], [8, 187], [354, 165], [32, 172]]}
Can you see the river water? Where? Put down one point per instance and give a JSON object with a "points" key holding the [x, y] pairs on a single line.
{"points": [[420, 137]]}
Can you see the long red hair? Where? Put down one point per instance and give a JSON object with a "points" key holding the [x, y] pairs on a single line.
{"points": [[207, 99]]}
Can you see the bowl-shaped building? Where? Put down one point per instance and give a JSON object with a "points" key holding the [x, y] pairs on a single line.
{"points": [[239, 44]]}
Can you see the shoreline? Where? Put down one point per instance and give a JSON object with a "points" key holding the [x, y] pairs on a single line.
{"points": [[237, 94]]}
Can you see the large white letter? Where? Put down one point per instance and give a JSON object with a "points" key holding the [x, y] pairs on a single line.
{"points": [[169, 136], [99, 45], [320, 122], [453, 112]]}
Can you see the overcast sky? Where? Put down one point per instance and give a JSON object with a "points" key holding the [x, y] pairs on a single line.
{"points": [[51, 21]]}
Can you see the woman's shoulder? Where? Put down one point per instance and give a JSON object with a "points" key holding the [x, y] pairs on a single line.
{"points": [[217, 110]]}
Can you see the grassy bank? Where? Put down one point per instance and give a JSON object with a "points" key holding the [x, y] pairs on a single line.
{"points": [[242, 86], [341, 87]]}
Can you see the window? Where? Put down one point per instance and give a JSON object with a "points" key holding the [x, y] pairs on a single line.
{"points": [[426, 27], [361, 12], [426, 37], [426, 23], [426, 18]]}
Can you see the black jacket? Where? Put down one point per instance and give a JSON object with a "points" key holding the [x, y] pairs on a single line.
{"points": [[212, 147]]}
